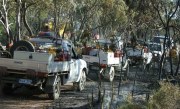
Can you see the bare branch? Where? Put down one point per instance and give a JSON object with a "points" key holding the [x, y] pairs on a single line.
{"points": [[158, 11], [2, 23], [177, 5], [10, 24]]}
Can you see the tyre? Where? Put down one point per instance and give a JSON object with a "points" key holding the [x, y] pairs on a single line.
{"points": [[22, 46], [126, 72], [82, 82], [109, 74], [56, 89]]}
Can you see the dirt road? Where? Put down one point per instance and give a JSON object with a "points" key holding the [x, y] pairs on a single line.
{"points": [[70, 99]]}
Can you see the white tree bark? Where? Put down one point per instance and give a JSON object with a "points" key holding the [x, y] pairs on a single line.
{"points": [[4, 18], [18, 20]]}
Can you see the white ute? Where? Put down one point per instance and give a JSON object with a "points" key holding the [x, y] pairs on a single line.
{"points": [[107, 59], [44, 63]]}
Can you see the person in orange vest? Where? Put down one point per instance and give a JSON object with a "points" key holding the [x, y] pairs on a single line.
{"points": [[173, 52]]}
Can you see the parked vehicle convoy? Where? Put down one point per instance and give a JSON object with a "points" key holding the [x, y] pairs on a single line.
{"points": [[106, 58], [43, 62]]}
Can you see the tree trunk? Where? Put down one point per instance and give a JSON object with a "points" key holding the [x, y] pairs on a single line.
{"points": [[55, 17], [18, 20], [177, 69], [5, 22], [40, 22], [24, 9], [161, 65]]}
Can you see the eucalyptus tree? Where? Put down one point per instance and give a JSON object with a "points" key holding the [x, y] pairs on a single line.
{"points": [[113, 15], [35, 13], [18, 20], [82, 16], [166, 10], [141, 18], [94, 15], [25, 5], [5, 8]]}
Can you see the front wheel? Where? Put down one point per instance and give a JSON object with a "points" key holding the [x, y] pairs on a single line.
{"points": [[126, 72], [56, 89], [109, 74], [82, 82]]}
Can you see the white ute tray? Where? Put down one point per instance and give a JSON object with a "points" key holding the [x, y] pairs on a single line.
{"points": [[34, 56], [41, 62], [103, 58]]}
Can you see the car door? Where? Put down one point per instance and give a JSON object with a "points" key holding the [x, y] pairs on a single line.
{"points": [[74, 68]]}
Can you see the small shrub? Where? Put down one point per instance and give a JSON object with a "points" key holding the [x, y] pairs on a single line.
{"points": [[167, 97], [128, 105]]}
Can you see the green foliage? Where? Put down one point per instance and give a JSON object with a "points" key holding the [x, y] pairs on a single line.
{"points": [[103, 16], [2, 36]]}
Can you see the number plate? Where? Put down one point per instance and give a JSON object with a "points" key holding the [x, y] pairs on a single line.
{"points": [[25, 81]]}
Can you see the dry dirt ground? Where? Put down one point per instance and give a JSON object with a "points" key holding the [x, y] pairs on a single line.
{"points": [[23, 98]]}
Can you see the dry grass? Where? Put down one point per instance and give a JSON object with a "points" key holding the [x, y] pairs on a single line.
{"points": [[130, 106], [167, 97]]}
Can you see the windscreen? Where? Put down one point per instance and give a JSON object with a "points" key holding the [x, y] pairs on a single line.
{"points": [[155, 47]]}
